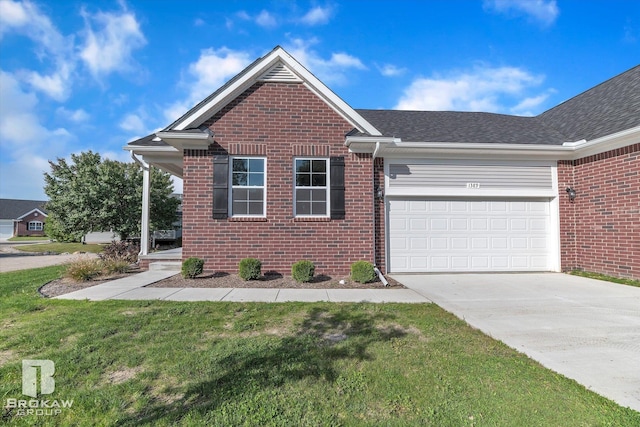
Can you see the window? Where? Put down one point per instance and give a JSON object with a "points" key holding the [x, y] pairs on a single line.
{"points": [[35, 226], [311, 195], [248, 193]]}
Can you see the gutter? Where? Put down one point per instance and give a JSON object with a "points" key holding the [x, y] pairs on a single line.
{"points": [[375, 200]]}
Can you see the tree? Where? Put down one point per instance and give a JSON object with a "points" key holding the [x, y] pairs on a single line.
{"points": [[90, 194]]}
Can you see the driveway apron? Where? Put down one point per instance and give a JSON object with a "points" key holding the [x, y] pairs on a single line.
{"points": [[584, 329]]}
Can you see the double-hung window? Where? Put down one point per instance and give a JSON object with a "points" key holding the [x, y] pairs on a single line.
{"points": [[311, 187], [248, 193], [35, 226]]}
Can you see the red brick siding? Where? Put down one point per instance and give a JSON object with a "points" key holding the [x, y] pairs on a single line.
{"points": [[22, 227], [380, 217], [600, 231], [279, 121]]}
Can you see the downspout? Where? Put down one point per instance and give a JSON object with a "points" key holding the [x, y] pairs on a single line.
{"points": [[375, 201], [144, 227]]}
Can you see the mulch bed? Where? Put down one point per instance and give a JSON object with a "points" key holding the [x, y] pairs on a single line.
{"points": [[277, 281], [220, 280]]}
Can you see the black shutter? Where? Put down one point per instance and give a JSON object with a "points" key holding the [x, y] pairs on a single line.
{"points": [[337, 187], [220, 187]]}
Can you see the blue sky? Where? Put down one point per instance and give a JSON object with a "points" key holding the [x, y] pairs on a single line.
{"points": [[93, 75]]}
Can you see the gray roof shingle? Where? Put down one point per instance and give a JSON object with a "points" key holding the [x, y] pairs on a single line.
{"points": [[609, 107], [13, 208], [453, 126]]}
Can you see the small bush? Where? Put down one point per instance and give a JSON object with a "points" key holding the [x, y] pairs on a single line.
{"points": [[191, 267], [120, 251], [303, 270], [84, 269], [250, 269], [362, 272], [115, 266]]}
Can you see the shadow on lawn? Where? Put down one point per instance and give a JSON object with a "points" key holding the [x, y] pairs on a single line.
{"points": [[323, 338]]}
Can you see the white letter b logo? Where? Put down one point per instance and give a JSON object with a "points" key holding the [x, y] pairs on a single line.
{"points": [[30, 377]]}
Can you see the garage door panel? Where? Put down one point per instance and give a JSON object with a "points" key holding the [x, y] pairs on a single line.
{"points": [[459, 235]]}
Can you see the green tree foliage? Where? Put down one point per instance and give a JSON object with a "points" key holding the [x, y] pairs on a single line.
{"points": [[89, 194]]}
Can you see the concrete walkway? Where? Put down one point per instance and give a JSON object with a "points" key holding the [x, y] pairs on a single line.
{"points": [[133, 288], [585, 329]]}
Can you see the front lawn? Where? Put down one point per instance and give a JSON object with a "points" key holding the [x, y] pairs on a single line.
{"points": [[60, 248], [172, 363], [27, 238]]}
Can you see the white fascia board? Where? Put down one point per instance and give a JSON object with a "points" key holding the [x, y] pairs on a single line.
{"points": [[186, 140], [610, 142], [236, 88], [474, 150], [32, 211], [368, 144], [150, 148]]}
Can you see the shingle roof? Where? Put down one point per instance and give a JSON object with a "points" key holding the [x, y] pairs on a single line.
{"points": [[148, 141], [13, 208], [609, 107], [453, 126]]}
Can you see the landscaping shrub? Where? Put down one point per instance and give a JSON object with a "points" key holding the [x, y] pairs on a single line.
{"points": [[191, 267], [303, 270], [84, 269], [250, 269], [115, 266], [120, 251], [362, 272]]}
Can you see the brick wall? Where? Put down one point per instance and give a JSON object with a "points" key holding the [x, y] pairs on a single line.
{"points": [[600, 231], [22, 227], [279, 121]]}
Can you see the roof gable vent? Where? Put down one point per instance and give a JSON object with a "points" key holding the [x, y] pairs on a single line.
{"points": [[279, 73]]}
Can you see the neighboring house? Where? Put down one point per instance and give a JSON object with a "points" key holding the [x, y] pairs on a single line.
{"points": [[22, 218], [277, 167]]}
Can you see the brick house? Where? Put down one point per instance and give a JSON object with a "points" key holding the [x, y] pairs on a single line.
{"points": [[277, 167], [22, 218]]}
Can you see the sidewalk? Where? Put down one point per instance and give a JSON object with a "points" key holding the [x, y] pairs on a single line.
{"points": [[133, 288]]}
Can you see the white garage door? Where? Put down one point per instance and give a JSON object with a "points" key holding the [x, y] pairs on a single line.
{"points": [[6, 229], [469, 236]]}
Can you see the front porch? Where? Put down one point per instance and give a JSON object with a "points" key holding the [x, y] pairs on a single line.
{"points": [[161, 259]]}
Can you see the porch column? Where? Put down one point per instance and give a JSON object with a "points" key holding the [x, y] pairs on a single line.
{"points": [[146, 191]]}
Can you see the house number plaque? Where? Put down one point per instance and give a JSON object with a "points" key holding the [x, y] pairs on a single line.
{"points": [[473, 185]]}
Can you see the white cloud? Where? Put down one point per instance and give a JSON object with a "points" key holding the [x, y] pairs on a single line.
{"points": [[317, 16], [544, 11], [22, 178], [212, 69], [51, 47], [266, 19], [20, 124], [390, 70], [481, 89], [110, 47], [330, 70], [132, 123], [75, 116], [528, 105]]}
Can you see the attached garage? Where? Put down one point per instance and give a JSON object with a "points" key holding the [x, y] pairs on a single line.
{"points": [[471, 217], [6, 228]]}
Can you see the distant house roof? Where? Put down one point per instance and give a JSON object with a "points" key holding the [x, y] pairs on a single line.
{"points": [[14, 209]]}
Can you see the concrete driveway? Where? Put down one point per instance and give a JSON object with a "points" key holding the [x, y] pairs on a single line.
{"points": [[585, 329]]}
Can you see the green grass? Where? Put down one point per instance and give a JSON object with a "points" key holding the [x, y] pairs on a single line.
{"points": [[598, 276], [60, 247], [27, 238], [171, 363]]}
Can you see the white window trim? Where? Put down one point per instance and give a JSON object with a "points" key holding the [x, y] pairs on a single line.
{"points": [[327, 187], [41, 225], [263, 187]]}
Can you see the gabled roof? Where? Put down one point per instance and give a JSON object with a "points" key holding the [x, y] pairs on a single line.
{"points": [[609, 107], [277, 65], [15, 209], [469, 127]]}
